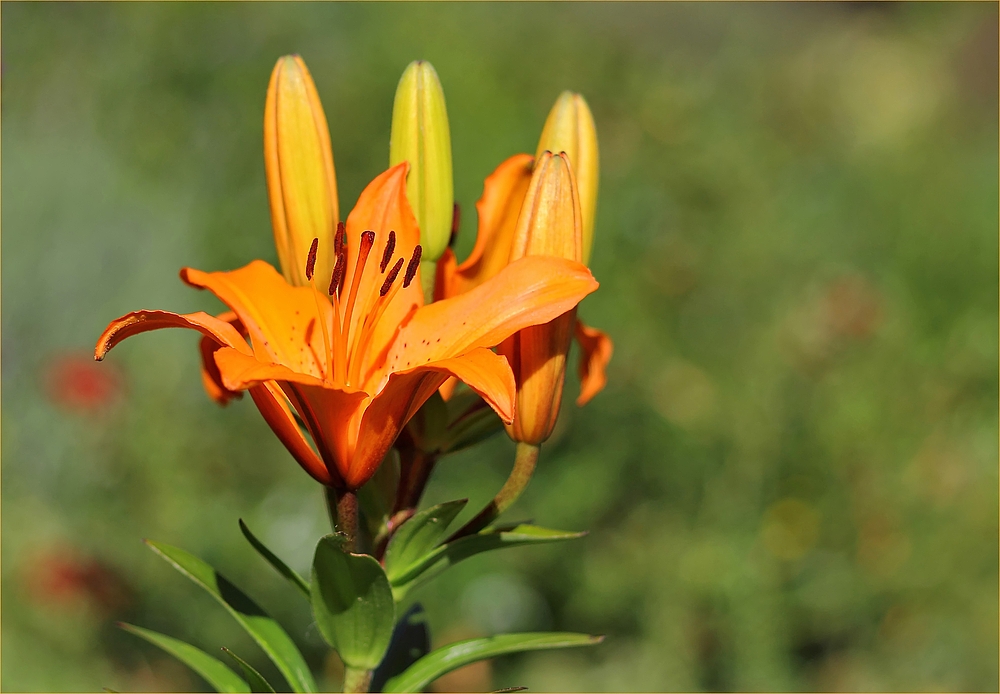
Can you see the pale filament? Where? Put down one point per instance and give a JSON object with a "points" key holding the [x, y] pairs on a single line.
{"points": [[344, 360]]}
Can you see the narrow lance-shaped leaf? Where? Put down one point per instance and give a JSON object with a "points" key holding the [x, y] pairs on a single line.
{"points": [[268, 634], [453, 656], [211, 669], [418, 536], [352, 603], [272, 559], [450, 554], [256, 680]]}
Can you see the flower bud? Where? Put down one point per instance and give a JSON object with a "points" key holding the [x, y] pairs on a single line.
{"points": [[570, 129], [298, 161], [549, 224], [420, 136]]}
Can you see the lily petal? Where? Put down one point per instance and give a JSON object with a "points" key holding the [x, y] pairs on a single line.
{"points": [[284, 322], [486, 373], [332, 416], [595, 353], [210, 377], [447, 388], [389, 411], [144, 321], [503, 193], [273, 407], [529, 291], [382, 207], [240, 371], [329, 413]]}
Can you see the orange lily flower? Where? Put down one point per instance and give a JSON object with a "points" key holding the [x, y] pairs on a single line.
{"points": [[355, 363], [499, 207]]}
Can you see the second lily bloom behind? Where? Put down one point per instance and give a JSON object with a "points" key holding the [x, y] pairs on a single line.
{"points": [[538, 207]]}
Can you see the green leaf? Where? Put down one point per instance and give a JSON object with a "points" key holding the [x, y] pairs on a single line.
{"points": [[455, 655], [450, 554], [272, 559], [417, 536], [352, 603], [265, 631], [211, 669], [256, 680]]}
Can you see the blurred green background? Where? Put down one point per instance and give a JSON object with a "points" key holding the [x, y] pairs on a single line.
{"points": [[791, 478]]}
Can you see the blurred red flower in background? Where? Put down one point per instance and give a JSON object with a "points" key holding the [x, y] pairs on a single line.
{"points": [[75, 383], [60, 576]]}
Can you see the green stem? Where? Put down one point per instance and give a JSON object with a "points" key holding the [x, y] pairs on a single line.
{"points": [[347, 519], [343, 508], [416, 471], [525, 457], [357, 680]]}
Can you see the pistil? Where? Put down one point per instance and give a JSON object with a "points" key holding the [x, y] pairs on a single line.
{"points": [[387, 292]]}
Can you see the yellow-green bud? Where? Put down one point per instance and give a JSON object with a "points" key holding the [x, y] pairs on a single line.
{"points": [[570, 128], [420, 136]]}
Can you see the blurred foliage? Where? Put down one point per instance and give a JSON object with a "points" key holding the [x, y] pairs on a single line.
{"points": [[791, 479]]}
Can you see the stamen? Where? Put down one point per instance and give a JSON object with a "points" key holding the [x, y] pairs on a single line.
{"points": [[371, 321], [411, 269], [367, 240], [311, 260], [339, 238], [338, 273], [390, 246], [391, 277], [310, 271]]}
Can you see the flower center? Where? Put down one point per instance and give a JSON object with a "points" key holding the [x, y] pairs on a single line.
{"points": [[351, 338]]}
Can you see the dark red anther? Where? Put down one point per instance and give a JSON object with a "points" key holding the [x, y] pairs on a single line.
{"points": [[311, 260], [339, 238], [390, 246], [338, 273], [411, 268], [391, 277]]}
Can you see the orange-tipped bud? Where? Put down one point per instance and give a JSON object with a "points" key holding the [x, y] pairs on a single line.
{"points": [[549, 224], [301, 181], [570, 128]]}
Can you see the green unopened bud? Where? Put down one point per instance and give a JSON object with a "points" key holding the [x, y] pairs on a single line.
{"points": [[570, 129], [420, 136]]}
